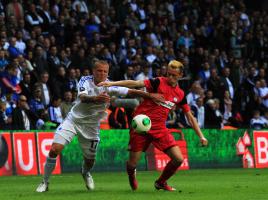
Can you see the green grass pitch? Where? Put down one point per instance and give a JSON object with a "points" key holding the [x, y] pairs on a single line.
{"points": [[214, 184]]}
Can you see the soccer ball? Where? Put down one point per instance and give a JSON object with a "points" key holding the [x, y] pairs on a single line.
{"points": [[141, 123]]}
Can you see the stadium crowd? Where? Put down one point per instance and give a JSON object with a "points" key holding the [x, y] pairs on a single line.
{"points": [[47, 45]]}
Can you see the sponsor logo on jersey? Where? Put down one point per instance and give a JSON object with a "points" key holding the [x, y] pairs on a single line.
{"points": [[168, 104]]}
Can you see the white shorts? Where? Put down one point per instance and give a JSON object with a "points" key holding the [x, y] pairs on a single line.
{"points": [[66, 132]]}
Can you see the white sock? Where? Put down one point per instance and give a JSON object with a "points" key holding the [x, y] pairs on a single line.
{"points": [[49, 167]]}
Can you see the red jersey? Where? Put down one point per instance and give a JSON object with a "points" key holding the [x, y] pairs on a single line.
{"points": [[174, 96]]}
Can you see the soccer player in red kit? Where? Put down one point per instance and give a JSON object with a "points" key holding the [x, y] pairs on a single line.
{"points": [[159, 135]]}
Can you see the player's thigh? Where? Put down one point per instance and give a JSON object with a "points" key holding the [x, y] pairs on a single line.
{"points": [[168, 144], [138, 142], [89, 146], [134, 157], [175, 154], [66, 130], [63, 136]]}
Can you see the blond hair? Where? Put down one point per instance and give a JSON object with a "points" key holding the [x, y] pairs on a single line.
{"points": [[99, 62], [175, 65]]}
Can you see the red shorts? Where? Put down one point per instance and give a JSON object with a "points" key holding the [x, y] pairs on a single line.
{"points": [[140, 142]]}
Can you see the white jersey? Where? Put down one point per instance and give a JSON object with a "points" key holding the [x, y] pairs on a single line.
{"points": [[87, 116]]}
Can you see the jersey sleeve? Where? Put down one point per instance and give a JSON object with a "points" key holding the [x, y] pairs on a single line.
{"points": [[184, 105], [117, 91], [152, 84], [82, 87]]}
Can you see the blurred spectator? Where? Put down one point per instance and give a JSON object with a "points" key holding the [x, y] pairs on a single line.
{"points": [[198, 110], [264, 118], [80, 6], [264, 93], [228, 85], [39, 61], [3, 60], [45, 14], [54, 111], [195, 92], [144, 74], [4, 120], [36, 102], [43, 84], [215, 84], [257, 122], [172, 119], [20, 44], [15, 9], [22, 117], [13, 51], [9, 81], [66, 104], [218, 111], [32, 18], [129, 74], [204, 74], [65, 60], [60, 82], [212, 120], [10, 104], [72, 81], [227, 106], [26, 85], [25, 33], [53, 60]]}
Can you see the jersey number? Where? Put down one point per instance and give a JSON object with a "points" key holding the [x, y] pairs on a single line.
{"points": [[94, 144]]}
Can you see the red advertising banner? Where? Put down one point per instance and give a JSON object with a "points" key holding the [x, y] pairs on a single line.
{"points": [[261, 148], [44, 142], [25, 153], [5, 154]]}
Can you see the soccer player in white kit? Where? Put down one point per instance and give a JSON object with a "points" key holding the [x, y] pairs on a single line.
{"points": [[84, 121]]}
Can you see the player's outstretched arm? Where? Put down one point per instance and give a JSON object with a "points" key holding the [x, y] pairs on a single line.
{"points": [[157, 98], [125, 83], [191, 119], [101, 98]]}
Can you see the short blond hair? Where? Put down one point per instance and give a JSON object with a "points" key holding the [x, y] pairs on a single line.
{"points": [[175, 65], [99, 62]]}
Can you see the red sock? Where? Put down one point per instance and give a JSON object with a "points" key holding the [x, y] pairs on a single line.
{"points": [[169, 170], [130, 169]]}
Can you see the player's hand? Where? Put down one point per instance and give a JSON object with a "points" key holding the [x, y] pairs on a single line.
{"points": [[157, 98], [203, 141], [103, 98], [105, 83]]}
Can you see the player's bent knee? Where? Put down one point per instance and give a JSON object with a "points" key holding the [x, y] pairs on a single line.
{"points": [[177, 161], [55, 150]]}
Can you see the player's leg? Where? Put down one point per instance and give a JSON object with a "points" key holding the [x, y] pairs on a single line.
{"points": [[131, 165], [56, 148], [89, 148], [137, 144], [176, 159], [63, 136], [168, 144]]}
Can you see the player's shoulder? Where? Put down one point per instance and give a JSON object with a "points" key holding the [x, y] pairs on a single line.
{"points": [[162, 80], [180, 91], [85, 79]]}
